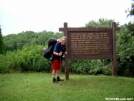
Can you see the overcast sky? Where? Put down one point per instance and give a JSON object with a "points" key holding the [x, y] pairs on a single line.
{"points": [[38, 15]]}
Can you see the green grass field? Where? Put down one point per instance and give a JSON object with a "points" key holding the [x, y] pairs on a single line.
{"points": [[39, 87]]}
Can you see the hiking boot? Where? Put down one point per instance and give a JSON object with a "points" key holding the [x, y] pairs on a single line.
{"points": [[58, 79], [54, 80]]}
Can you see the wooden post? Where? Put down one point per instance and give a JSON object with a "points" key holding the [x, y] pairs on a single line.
{"points": [[66, 58], [114, 49]]}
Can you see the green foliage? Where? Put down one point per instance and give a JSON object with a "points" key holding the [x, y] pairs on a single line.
{"points": [[24, 52], [130, 27], [90, 67], [27, 59], [131, 11], [100, 23], [28, 38], [125, 48]]}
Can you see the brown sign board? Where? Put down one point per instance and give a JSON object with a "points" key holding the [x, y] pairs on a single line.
{"points": [[90, 43]]}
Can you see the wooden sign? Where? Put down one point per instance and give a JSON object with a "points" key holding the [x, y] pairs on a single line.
{"points": [[90, 43]]}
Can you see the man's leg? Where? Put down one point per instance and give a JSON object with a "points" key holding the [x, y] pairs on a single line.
{"points": [[58, 72], [54, 69], [53, 75]]}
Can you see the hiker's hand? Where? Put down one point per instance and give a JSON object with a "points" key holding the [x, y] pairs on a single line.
{"points": [[65, 52], [60, 53]]}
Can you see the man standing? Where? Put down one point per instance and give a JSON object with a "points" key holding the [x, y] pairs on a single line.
{"points": [[58, 52]]}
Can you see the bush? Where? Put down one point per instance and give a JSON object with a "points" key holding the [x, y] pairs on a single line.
{"points": [[27, 59], [125, 48], [89, 67]]}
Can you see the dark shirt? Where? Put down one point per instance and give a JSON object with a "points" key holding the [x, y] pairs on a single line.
{"points": [[59, 48]]}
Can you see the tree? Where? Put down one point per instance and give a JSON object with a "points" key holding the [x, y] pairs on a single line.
{"points": [[130, 27], [131, 12], [28, 38], [1, 42], [100, 23]]}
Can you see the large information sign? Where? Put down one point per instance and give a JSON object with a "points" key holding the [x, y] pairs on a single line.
{"points": [[90, 43], [86, 44]]}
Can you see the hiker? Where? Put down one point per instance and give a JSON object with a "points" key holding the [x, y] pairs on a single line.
{"points": [[58, 52]]}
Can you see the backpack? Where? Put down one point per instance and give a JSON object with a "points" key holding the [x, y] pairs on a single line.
{"points": [[47, 53]]}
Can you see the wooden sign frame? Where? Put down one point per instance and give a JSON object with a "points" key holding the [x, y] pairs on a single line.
{"points": [[76, 37]]}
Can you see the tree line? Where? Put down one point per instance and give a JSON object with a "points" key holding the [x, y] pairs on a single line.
{"points": [[23, 52]]}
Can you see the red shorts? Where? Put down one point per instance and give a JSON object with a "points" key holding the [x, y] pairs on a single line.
{"points": [[56, 65]]}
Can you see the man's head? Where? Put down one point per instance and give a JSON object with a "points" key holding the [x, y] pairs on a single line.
{"points": [[63, 40]]}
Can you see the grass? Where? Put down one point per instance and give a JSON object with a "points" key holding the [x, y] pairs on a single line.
{"points": [[39, 87]]}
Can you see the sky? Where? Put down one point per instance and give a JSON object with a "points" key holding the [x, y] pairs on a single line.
{"points": [[38, 15]]}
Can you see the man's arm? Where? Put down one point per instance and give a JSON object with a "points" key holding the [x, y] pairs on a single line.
{"points": [[58, 54], [55, 52]]}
